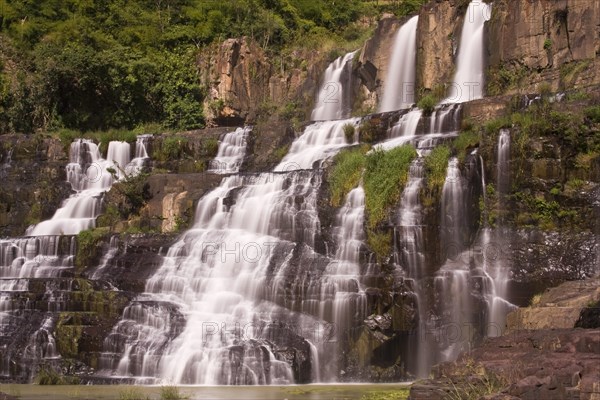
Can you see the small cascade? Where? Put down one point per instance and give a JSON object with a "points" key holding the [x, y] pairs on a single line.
{"points": [[493, 242], [5, 162], [468, 81], [232, 149], [406, 126], [319, 141], [333, 101], [410, 222], [113, 248], [141, 157], [399, 88], [42, 344], [453, 227], [90, 176], [337, 294], [503, 167]]}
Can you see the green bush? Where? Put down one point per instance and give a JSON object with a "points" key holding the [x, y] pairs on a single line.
{"points": [[346, 173], [593, 114], [385, 175], [210, 147], [349, 133], [427, 104]]}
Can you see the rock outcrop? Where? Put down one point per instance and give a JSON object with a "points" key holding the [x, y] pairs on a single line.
{"points": [[552, 42], [242, 80], [32, 171], [541, 358]]}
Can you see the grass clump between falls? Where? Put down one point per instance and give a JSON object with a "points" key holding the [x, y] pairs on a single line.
{"points": [[346, 173], [436, 165], [386, 174]]}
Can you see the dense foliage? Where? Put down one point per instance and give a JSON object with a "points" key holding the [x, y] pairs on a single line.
{"points": [[100, 64]]}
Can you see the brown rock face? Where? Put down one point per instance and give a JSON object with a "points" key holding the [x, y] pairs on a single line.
{"points": [[241, 79], [374, 59], [438, 34], [238, 77], [537, 41]]}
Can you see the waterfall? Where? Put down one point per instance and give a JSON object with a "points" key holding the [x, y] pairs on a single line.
{"points": [[90, 176], [453, 210], [232, 149], [216, 311], [141, 157], [333, 100], [503, 158], [493, 243], [469, 78], [398, 91]]}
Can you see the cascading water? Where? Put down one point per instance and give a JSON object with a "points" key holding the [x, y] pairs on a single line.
{"points": [[333, 101], [493, 242], [398, 91], [469, 78], [87, 173], [48, 254], [503, 157], [225, 278], [141, 157], [231, 152], [90, 176]]}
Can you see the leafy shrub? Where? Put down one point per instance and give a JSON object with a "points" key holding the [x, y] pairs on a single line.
{"points": [[349, 132], [427, 104]]}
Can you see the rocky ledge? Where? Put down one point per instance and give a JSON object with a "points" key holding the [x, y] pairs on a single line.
{"points": [[551, 351]]}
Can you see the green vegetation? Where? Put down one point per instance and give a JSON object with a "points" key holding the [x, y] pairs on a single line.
{"points": [[132, 394], [398, 394], [349, 132], [436, 164], [427, 104], [367, 131], [171, 148], [593, 114], [346, 173], [547, 44], [89, 246], [384, 179], [89, 65], [171, 393], [505, 77], [380, 243], [570, 71], [48, 376], [466, 140]]}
